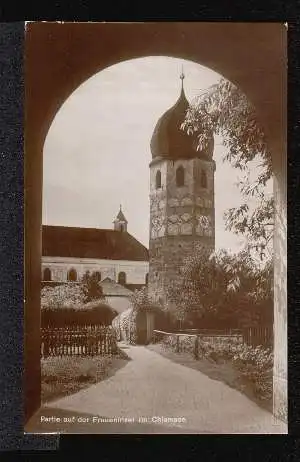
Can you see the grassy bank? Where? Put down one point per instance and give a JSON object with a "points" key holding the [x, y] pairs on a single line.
{"points": [[67, 375], [221, 370]]}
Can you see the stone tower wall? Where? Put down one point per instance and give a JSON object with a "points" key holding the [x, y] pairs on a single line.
{"points": [[181, 218]]}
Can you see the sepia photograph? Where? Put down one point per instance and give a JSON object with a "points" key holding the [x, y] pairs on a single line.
{"points": [[155, 228]]}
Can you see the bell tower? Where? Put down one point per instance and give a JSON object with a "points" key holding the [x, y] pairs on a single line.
{"points": [[182, 210], [120, 223]]}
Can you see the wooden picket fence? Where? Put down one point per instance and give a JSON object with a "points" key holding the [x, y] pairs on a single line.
{"points": [[78, 341], [260, 335]]}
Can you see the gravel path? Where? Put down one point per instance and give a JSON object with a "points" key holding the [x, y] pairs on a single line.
{"points": [[155, 388]]}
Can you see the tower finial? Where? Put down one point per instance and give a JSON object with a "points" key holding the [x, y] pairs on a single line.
{"points": [[182, 76]]}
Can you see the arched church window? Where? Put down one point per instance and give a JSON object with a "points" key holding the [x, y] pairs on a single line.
{"points": [[98, 275], [72, 275], [158, 179], [147, 279], [180, 177], [203, 179], [47, 274], [122, 278]]}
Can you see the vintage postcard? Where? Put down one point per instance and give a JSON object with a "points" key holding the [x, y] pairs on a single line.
{"points": [[155, 228]]}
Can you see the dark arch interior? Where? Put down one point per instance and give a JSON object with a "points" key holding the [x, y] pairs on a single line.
{"points": [[72, 275], [158, 179], [180, 176], [47, 274], [203, 179], [98, 275], [122, 278]]}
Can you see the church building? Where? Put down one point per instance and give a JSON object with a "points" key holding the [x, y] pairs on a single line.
{"points": [[182, 209], [113, 254]]}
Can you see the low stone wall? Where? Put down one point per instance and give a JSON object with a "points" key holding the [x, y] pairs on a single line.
{"points": [[222, 339]]}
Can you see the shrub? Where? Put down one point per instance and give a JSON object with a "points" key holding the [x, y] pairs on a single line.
{"points": [[91, 313], [90, 287], [65, 295], [254, 363], [222, 289]]}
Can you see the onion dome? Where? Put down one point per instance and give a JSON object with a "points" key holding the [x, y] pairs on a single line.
{"points": [[170, 141]]}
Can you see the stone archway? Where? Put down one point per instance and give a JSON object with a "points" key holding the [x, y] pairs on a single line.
{"points": [[61, 56]]}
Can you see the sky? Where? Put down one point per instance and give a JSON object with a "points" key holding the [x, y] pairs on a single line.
{"points": [[97, 150]]}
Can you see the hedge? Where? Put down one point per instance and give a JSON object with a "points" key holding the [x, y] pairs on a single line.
{"points": [[89, 314]]}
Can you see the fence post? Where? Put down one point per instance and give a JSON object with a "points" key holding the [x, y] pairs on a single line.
{"points": [[177, 343], [196, 347], [45, 337]]}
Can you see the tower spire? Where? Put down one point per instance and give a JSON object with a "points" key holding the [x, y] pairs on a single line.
{"points": [[182, 76], [120, 223]]}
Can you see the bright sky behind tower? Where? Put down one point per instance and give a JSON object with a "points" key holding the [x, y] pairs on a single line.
{"points": [[97, 151]]}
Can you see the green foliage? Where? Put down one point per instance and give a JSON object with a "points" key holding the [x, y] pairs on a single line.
{"points": [[255, 364], [90, 287], [141, 301], [225, 110], [94, 313], [65, 295], [67, 304], [228, 289]]}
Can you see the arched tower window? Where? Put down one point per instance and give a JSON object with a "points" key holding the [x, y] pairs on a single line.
{"points": [[122, 278], [98, 275], [72, 275], [47, 274], [180, 177], [147, 279], [158, 179], [203, 180]]}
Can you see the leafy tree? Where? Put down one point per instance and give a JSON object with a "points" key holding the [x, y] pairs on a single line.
{"points": [[141, 301], [90, 287], [225, 110], [223, 289]]}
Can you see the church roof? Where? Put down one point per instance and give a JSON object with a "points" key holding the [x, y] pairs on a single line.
{"points": [[64, 241], [169, 140]]}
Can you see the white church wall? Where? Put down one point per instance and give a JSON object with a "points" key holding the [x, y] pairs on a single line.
{"points": [[59, 266]]}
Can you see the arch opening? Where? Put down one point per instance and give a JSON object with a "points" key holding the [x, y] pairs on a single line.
{"points": [[98, 276], [47, 276], [230, 79], [72, 275], [122, 278], [180, 176], [158, 179], [203, 179]]}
